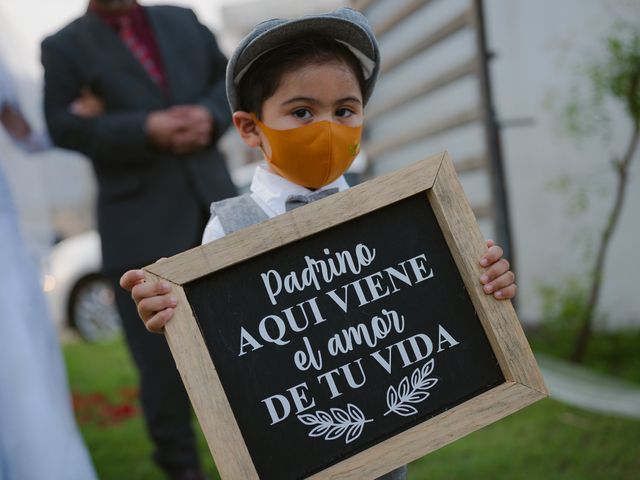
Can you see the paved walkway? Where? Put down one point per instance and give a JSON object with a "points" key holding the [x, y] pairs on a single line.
{"points": [[581, 387]]}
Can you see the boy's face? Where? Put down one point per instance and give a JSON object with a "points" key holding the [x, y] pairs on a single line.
{"points": [[328, 91]]}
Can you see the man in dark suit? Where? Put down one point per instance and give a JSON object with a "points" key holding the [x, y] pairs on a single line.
{"points": [[160, 77]]}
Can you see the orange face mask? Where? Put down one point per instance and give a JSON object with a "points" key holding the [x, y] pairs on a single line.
{"points": [[313, 155]]}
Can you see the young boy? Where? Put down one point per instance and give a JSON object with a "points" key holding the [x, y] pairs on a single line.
{"points": [[297, 89]]}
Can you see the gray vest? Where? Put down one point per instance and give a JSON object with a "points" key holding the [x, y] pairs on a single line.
{"points": [[238, 212]]}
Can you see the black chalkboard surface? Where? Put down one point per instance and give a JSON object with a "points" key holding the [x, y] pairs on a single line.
{"points": [[393, 343], [347, 337]]}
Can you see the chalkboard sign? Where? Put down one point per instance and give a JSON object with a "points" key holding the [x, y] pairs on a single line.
{"points": [[349, 336]]}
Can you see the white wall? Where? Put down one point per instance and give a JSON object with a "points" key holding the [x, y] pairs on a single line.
{"points": [[540, 46]]}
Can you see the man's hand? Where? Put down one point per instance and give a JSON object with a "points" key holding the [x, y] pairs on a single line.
{"points": [[198, 131], [497, 278], [13, 121], [87, 105], [181, 129], [161, 126]]}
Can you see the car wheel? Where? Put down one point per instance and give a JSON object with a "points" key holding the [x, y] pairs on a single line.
{"points": [[92, 309]]}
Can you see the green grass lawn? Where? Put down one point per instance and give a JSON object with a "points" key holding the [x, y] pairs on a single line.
{"points": [[545, 441]]}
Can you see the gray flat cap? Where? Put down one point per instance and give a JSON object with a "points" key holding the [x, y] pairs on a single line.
{"points": [[344, 25]]}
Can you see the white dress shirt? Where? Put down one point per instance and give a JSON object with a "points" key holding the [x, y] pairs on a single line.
{"points": [[270, 191]]}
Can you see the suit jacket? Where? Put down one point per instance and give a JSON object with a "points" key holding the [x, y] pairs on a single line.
{"points": [[150, 203]]}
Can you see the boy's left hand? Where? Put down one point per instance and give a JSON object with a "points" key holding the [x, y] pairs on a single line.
{"points": [[497, 278]]}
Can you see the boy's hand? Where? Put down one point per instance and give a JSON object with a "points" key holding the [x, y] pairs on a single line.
{"points": [[497, 278], [154, 300]]}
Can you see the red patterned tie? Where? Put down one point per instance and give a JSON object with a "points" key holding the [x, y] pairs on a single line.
{"points": [[139, 50]]}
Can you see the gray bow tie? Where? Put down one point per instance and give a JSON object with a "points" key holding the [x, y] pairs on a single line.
{"points": [[295, 201]]}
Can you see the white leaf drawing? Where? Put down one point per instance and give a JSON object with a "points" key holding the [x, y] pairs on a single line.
{"points": [[415, 377], [404, 388], [335, 423], [319, 430], [427, 368], [405, 410], [340, 415], [355, 412], [408, 392], [429, 383], [354, 432], [335, 432], [392, 396], [323, 416], [308, 419], [417, 397]]}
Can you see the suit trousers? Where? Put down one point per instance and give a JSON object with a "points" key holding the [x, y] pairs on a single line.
{"points": [[166, 406], [397, 474]]}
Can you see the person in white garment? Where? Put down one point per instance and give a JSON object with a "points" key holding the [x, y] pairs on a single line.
{"points": [[39, 438]]}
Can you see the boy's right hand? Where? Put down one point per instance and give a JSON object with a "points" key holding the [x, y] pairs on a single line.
{"points": [[154, 300]]}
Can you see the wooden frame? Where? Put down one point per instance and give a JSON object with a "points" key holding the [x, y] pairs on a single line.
{"points": [[437, 178]]}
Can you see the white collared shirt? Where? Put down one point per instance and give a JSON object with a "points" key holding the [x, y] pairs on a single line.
{"points": [[270, 192]]}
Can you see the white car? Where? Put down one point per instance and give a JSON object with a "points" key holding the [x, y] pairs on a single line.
{"points": [[79, 295]]}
